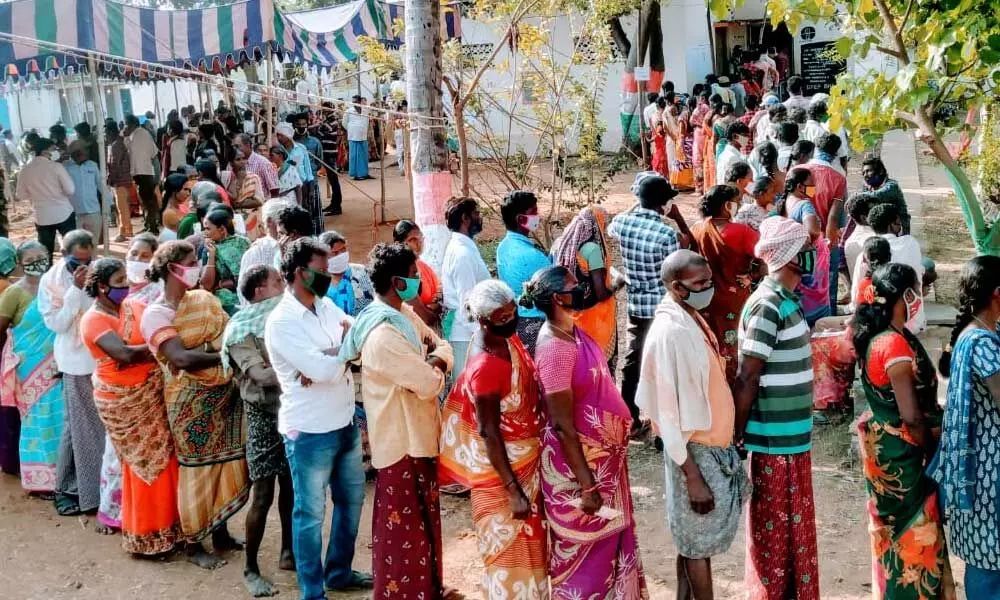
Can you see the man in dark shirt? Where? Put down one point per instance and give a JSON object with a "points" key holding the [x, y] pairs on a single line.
{"points": [[327, 130], [119, 178]]}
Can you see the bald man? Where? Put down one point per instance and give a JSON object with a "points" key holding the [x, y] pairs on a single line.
{"points": [[683, 387]]}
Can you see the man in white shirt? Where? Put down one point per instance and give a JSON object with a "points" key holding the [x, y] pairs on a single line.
{"points": [[884, 220], [356, 124], [142, 152], [857, 207], [649, 112], [62, 302], [463, 267], [47, 186], [817, 125], [737, 137], [316, 418], [787, 135], [796, 85]]}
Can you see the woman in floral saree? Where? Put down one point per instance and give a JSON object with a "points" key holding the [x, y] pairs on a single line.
{"points": [[223, 251], [491, 443], [909, 554], [30, 378], [588, 498], [183, 329], [246, 192], [681, 167], [128, 393]]}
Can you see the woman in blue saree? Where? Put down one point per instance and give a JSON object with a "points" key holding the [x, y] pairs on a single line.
{"points": [[28, 379]]}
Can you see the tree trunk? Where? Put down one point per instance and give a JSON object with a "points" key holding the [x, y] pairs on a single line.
{"points": [[428, 134], [463, 148]]}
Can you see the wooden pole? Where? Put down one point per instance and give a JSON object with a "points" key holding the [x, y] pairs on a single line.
{"points": [[407, 170], [156, 103], [65, 94], [107, 196], [269, 96], [177, 102], [83, 95], [381, 160]]}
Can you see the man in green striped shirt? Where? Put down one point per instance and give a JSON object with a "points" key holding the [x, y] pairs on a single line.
{"points": [[773, 395]]}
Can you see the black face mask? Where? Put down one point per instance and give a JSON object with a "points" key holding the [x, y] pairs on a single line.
{"points": [[300, 131], [577, 297], [317, 282], [505, 330], [475, 228]]}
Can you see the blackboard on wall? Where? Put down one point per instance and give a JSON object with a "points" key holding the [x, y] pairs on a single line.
{"points": [[818, 67]]}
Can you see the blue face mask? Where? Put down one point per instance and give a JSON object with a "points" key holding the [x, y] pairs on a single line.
{"points": [[411, 290]]}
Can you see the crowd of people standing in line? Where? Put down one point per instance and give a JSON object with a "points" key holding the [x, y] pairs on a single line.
{"points": [[210, 371]]}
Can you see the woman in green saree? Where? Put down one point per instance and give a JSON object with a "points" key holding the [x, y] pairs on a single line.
{"points": [[221, 255], [898, 439]]}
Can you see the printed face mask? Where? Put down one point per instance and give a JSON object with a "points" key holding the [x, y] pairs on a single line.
{"points": [[136, 271], [37, 268], [338, 264], [806, 261], [913, 303]]}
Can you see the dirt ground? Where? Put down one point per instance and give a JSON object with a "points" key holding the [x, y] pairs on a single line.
{"points": [[46, 556]]}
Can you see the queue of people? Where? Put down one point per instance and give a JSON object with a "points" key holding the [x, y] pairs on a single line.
{"points": [[216, 369]]}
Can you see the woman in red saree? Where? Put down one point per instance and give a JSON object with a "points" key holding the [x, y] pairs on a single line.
{"points": [[491, 443], [660, 140], [729, 249], [128, 393], [588, 498], [696, 124]]}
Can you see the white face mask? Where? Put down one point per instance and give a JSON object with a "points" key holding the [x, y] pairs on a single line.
{"points": [[54, 156], [531, 222], [136, 271], [338, 264], [668, 206]]}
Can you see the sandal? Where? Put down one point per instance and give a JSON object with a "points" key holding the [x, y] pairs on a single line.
{"points": [[67, 506], [639, 430]]}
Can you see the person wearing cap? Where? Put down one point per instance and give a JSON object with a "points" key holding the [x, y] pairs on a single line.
{"points": [[45, 183], [356, 124], [773, 395], [645, 241], [86, 201], [298, 156]]}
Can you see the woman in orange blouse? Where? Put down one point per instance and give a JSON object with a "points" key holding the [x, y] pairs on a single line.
{"points": [[128, 392]]}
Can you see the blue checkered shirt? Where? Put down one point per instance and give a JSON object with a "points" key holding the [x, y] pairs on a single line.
{"points": [[645, 241]]}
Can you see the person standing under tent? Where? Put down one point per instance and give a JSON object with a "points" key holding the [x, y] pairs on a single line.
{"points": [[47, 186], [310, 190], [328, 132], [298, 156], [119, 178], [356, 123], [86, 200], [142, 152]]}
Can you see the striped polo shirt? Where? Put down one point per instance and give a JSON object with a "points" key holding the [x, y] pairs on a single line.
{"points": [[773, 328]]}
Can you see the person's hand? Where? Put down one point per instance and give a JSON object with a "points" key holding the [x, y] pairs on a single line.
{"points": [[210, 248], [519, 504], [430, 344], [282, 241], [438, 364], [80, 276], [345, 326], [702, 501], [305, 381], [592, 502]]}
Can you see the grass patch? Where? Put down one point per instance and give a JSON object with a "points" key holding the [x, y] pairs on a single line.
{"points": [[948, 243]]}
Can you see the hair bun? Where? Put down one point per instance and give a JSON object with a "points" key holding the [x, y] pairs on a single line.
{"points": [[527, 299]]}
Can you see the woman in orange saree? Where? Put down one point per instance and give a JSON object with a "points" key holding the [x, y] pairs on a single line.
{"points": [[183, 329], [491, 443], [681, 168], [729, 249], [708, 161], [128, 393]]}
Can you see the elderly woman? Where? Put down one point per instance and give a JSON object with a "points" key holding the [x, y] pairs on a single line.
{"points": [[584, 450], [898, 440], [221, 257], [427, 304], [289, 181], [350, 287], [183, 329], [29, 378], [128, 393], [491, 443], [583, 250]]}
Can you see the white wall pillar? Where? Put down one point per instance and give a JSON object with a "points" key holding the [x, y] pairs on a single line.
{"points": [[686, 44]]}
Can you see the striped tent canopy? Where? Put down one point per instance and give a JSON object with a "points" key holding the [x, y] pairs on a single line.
{"points": [[40, 38], [327, 36]]}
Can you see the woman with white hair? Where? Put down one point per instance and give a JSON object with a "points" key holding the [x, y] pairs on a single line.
{"points": [[491, 443], [263, 250]]}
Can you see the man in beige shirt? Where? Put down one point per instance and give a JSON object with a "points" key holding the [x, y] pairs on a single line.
{"points": [[403, 369]]}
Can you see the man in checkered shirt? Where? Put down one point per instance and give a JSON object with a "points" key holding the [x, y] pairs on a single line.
{"points": [[645, 241]]}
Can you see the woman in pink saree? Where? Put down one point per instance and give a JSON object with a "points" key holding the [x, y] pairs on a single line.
{"points": [[588, 500]]}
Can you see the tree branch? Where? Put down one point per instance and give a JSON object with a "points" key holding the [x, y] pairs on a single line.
{"points": [[897, 37], [906, 14], [890, 52], [908, 117], [619, 36]]}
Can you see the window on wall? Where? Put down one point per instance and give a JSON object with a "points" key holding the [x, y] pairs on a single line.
{"points": [[589, 53], [477, 53]]}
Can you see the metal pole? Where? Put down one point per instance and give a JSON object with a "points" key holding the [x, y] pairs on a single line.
{"points": [[62, 89], [107, 196], [177, 102], [156, 103]]}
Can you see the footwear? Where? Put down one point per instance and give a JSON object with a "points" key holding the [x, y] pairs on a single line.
{"points": [[357, 581], [67, 506], [119, 239], [332, 212]]}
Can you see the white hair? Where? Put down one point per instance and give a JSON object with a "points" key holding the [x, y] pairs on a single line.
{"points": [[269, 212], [486, 297]]}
